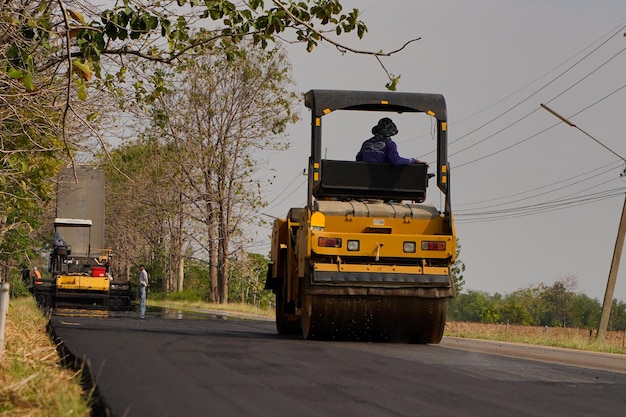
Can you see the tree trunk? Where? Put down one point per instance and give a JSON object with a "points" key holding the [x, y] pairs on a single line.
{"points": [[213, 256], [181, 273], [223, 258]]}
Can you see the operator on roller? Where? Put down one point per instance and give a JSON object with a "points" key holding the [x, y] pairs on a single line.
{"points": [[380, 148]]}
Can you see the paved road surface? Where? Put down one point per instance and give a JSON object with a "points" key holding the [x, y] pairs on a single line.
{"points": [[232, 367]]}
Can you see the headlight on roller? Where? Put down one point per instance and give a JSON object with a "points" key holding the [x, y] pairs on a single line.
{"points": [[354, 245], [408, 247]]}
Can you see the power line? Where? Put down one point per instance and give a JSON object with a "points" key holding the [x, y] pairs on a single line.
{"points": [[587, 76], [613, 32], [541, 88], [277, 203], [607, 169], [298, 175], [539, 208], [532, 112], [536, 134]]}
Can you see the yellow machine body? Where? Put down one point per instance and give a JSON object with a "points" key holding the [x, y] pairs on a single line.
{"points": [[82, 283], [366, 259]]}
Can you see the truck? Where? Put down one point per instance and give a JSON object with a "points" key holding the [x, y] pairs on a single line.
{"points": [[367, 258], [79, 264]]}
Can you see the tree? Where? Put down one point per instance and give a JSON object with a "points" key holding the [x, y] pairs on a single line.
{"points": [[52, 52], [513, 311], [247, 281], [144, 210], [221, 111], [558, 299], [29, 158], [584, 312], [92, 40], [474, 306]]}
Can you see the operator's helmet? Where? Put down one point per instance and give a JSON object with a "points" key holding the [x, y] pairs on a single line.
{"points": [[385, 127]]}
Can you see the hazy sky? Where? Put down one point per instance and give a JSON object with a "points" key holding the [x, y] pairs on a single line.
{"points": [[535, 200]]}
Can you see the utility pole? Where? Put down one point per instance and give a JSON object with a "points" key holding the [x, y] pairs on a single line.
{"points": [[619, 242], [610, 285]]}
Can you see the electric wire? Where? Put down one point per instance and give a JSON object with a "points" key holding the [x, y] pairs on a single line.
{"points": [[535, 209], [547, 192], [298, 175], [540, 89], [613, 32], [607, 168], [535, 110], [587, 76], [536, 134], [276, 203]]}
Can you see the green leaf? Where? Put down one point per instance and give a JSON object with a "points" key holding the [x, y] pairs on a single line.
{"points": [[152, 22], [92, 116], [28, 82], [165, 27], [82, 68], [111, 30], [123, 17], [82, 90], [393, 83], [15, 73]]}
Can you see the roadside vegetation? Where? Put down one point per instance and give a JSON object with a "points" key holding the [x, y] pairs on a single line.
{"points": [[558, 305], [562, 337], [33, 381], [202, 306]]}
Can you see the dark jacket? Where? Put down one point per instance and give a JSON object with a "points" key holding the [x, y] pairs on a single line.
{"points": [[381, 149]]}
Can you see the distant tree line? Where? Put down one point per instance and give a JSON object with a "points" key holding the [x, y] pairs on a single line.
{"points": [[246, 281], [556, 305]]}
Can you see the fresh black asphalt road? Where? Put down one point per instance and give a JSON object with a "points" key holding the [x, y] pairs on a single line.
{"points": [[217, 366]]}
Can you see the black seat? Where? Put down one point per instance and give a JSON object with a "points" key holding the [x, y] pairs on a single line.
{"points": [[353, 179]]}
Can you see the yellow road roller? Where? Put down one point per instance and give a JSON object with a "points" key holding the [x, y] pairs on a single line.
{"points": [[367, 258]]}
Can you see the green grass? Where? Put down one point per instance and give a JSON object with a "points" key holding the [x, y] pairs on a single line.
{"points": [[32, 380]]}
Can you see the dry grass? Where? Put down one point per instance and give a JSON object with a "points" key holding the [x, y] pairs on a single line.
{"points": [[200, 305], [32, 380], [33, 383], [614, 342]]}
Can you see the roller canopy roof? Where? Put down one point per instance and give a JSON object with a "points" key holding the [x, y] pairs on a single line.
{"points": [[325, 101]]}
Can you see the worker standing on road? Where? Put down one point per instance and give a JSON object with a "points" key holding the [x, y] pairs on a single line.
{"points": [[143, 285]]}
